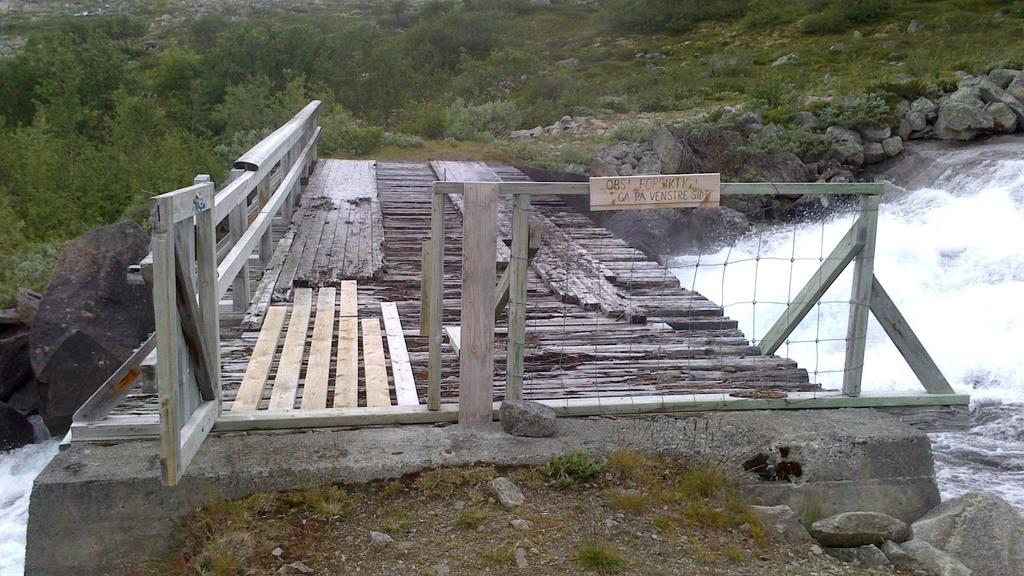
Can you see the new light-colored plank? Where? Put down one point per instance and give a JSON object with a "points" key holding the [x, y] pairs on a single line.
{"points": [[374, 370], [286, 381], [476, 361], [346, 380], [318, 368], [256, 373], [454, 334], [401, 368], [349, 298]]}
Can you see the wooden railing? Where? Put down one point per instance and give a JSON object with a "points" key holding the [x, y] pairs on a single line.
{"points": [[190, 269], [476, 359]]}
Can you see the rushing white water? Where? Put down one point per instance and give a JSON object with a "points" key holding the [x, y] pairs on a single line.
{"points": [[18, 469], [952, 259]]}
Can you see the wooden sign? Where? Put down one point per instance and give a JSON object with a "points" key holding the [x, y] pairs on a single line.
{"points": [[650, 192]]}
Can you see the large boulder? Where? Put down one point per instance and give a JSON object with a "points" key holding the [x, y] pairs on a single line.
{"points": [[90, 319], [668, 150], [1016, 88], [921, 556], [15, 430], [1003, 117], [981, 529], [1002, 77], [853, 529], [847, 145], [15, 365], [990, 93], [962, 116], [781, 524], [867, 556]]}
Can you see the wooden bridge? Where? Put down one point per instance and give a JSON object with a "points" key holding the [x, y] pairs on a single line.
{"points": [[308, 293]]}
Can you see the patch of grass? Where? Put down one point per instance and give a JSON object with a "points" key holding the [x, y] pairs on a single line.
{"points": [[504, 555], [224, 554], [572, 469], [470, 518], [705, 481], [665, 525], [627, 464], [626, 500], [397, 522], [322, 501], [392, 489], [445, 481], [634, 131], [599, 555], [528, 478], [704, 515], [734, 554]]}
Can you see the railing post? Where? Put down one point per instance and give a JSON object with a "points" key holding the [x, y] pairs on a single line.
{"points": [[435, 292], [518, 271], [860, 296], [238, 223], [476, 359], [267, 240], [206, 265]]}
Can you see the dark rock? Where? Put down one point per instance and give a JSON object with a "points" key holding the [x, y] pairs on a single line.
{"points": [[980, 529], [807, 120], [526, 418], [90, 319], [15, 430], [15, 365], [852, 529], [867, 556], [26, 399]]}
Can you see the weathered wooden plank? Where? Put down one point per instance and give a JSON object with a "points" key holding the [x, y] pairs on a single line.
{"points": [[286, 380], [401, 369], [349, 303], [258, 370], [899, 331], [374, 369], [436, 295], [314, 389], [518, 270], [346, 381], [860, 296], [427, 270], [265, 289], [476, 361]]}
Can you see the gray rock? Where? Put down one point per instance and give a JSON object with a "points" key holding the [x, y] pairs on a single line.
{"points": [[927, 558], [90, 319], [1002, 77], [915, 27], [893, 146], [649, 164], [807, 120], [520, 524], [874, 153], [925, 106], [782, 524], [961, 118], [15, 430], [507, 492], [1003, 117], [296, 567], [840, 134], [526, 418], [848, 152], [1016, 88], [601, 167], [902, 107], [874, 133], [27, 305], [521, 562], [442, 569], [989, 93], [785, 60], [277, 552], [526, 135], [568, 63], [867, 556], [668, 150], [380, 539], [851, 529], [982, 530], [858, 34], [897, 557]]}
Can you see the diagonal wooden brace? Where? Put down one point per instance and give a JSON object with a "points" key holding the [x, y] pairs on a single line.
{"points": [[502, 290]]}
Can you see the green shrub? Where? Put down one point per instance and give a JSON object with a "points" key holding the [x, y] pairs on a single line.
{"points": [[809, 146], [425, 119], [859, 110], [342, 134], [633, 131], [482, 122], [572, 469], [402, 140], [666, 16], [840, 15], [620, 104], [30, 267]]}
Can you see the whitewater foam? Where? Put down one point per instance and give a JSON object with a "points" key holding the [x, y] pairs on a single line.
{"points": [[18, 468]]}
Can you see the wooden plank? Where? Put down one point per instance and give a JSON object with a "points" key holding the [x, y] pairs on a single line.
{"points": [[728, 188], [165, 310], [476, 362], [374, 369], [118, 385], [349, 306], [436, 295], [655, 192], [401, 368], [518, 272], [426, 272], [318, 367], [206, 288], [502, 290], [346, 381], [913, 351], [816, 286], [860, 297], [264, 292], [286, 381], [454, 334], [190, 318], [258, 370]]}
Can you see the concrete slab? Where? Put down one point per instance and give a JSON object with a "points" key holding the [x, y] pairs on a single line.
{"points": [[97, 506]]}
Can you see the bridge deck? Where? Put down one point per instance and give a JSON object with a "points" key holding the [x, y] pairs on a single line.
{"points": [[316, 352]]}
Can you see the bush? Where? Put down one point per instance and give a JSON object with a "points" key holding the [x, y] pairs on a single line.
{"points": [[809, 146], [402, 140], [425, 119], [620, 104], [483, 122], [859, 110], [572, 469], [30, 267], [840, 15], [633, 131], [342, 134], [667, 16]]}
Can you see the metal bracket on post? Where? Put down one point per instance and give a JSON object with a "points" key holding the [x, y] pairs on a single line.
{"points": [[860, 296]]}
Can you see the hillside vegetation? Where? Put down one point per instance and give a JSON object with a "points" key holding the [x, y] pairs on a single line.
{"points": [[99, 112]]}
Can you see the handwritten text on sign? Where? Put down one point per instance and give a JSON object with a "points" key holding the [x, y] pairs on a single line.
{"points": [[649, 192]]}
